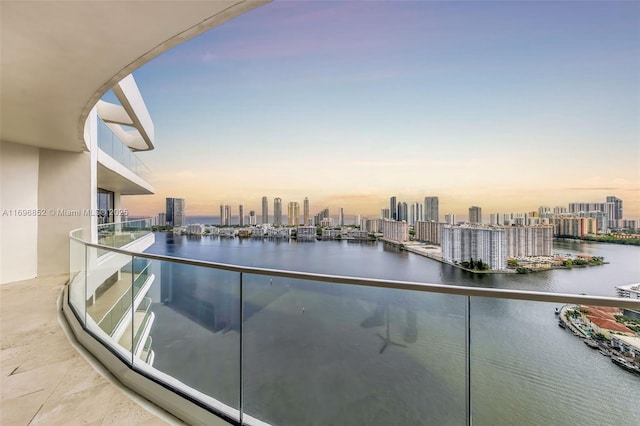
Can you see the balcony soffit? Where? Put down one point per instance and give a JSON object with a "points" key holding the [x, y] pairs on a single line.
{"points": [[59, 58]]}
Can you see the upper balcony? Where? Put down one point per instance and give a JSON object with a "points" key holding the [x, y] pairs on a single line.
{"points": [[119, 168]]}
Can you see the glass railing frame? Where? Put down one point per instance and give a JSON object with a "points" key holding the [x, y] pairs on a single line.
{"points": [[141, 229], [110, 144], [468, 292]]}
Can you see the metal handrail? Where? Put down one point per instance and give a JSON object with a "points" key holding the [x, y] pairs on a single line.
{"points": [[535, 296]]}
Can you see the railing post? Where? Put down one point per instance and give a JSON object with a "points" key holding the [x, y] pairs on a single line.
{"points": [[86, 283], [133, 311], [467, 329], [240, 328]]}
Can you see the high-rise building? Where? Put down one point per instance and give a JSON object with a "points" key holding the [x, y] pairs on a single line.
{"points": [[403, 211], [277, 211], [293, 214], [617, 207], [305, 212], [318, 219], [252, 217], [393, 207], [415, 213], [175, 211], [529, 240], [162, 219], [394, 230], [450, 219], [265, 210], [559, 210], [225, 215], [466, 243], [341, 217], [356, 220], [429, 231], [385, 214], [475, 215], [431, 209], [241, 215]]}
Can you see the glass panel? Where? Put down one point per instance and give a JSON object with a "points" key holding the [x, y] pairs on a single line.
{"points": [[324, 353], [122, 233], [77, 275], [193, 319], [109, 299], [527, 370], [111, 145]]}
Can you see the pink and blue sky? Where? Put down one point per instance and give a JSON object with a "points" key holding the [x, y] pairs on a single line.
{"points": [[506, 105]]}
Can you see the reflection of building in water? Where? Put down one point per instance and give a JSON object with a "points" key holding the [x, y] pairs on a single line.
{"points": [[207, 296]]}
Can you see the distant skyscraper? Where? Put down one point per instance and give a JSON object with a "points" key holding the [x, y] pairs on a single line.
{"points": [[241, 214], [475, 214], [277, 211], [617, 207], [227, 215], [324, 214], [450, 219], [252, 217], [265, 210], [403, 212], [393, 207], [385, 214], [305, 212], [221, 215], [431, 209], [162, 219], [175, 211], [293, 213], [356, 220], [341, 217]]}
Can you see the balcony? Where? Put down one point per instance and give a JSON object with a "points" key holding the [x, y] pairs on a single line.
{"points": [[124, 234], [260, 346], [119, 168]]}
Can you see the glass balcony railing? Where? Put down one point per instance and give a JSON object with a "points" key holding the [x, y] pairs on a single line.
{"points": [[121, 290], [274, 347], [119, 234], [111, 145]]}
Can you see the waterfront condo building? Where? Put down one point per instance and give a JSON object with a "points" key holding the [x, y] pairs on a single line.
{"points": [[464, 243], [429, 231], [395, 231], [529, 240]]}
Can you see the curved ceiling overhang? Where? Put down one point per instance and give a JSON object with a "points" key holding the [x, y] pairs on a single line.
{"points": [[59, 58]]}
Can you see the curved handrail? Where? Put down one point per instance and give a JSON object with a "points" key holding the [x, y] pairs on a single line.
{"points": [[536, 296]]}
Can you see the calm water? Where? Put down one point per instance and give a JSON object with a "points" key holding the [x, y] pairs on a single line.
{"points": [[322, 354]]}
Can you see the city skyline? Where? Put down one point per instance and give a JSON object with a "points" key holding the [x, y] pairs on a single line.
{"points": [[611, 207], [506, 105]]}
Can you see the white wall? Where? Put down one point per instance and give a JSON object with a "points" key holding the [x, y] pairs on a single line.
{"points": [[65, 185], [19, 190]]}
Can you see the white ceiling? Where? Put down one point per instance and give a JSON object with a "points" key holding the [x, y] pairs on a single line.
{"points": [[59, 57]]}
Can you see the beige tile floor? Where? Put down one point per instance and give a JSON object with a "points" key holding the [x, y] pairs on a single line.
{"points": [[45, 380]]}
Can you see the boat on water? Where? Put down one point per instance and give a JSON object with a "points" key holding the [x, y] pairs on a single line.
{"points": [[621, 362], [557, 311], [561, 324], [591, 344]]}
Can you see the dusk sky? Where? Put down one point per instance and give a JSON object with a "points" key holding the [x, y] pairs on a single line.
{"points": [[505, 105]]}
